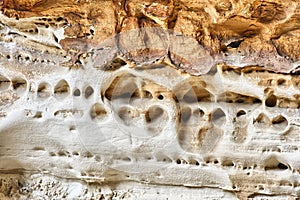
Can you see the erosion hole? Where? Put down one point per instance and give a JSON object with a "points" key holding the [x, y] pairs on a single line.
{"points": [[197, 94], [281, 82], [240, 113], [160, 97], [4, 83], [272, 163], [44, 90], [271, 101], [218, 117], [227, 163], [235, 44], [122, 87], [19, 84], [38, 115], [76, 92], [199, 112], [280, 122], [153, 114], [62, 89], [146, 94], [232, 97], [115, 64], [88, 92], [262, 119], [126, 114], [98, 112], [279, 119]]}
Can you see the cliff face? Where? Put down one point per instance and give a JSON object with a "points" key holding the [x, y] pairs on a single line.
{"points": [[149, 100]]}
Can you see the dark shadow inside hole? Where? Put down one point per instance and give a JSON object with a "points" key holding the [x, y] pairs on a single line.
{"points": [[262, 118], [255, 101], [88, 92], [121, 90], [235, 44], [62, 87], [279, 120], [271, 101], [59, 19], [281, 81], [19, 83], [160, 97], [272, 163], [147, 94], [240, 113], [4, 83], [97, 111], [199, 112], [227, 163], [76, 92], [282, 166], [44, 90], [126, 114], [38, 115]]}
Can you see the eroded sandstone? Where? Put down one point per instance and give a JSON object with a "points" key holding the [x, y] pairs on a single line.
{"points": [[153, 99]]}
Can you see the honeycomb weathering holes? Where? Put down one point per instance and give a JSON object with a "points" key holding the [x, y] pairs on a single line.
{"points": [[62, 89], [4, 83], [271, 101], [272, 163], [128, 88], [232, 97], [19, 84], [240, 113], [282, 82], [76, 92], [146, 94], [280, 122], [121, 87], [148, 98], [115, 64], [126, 114], [276, 124], [154, 113], [98, 112], [88, 92], [262, 119], [186, 113], [44, 90], [218, 117], [197, 93]]}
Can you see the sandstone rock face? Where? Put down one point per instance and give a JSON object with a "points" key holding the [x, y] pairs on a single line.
{"points": [[149, 99]]}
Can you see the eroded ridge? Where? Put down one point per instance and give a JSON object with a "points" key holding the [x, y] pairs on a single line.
{"points": [[126, 116]]}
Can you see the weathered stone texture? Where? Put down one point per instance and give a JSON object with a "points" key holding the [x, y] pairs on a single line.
{"points": [[133, 99]]}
